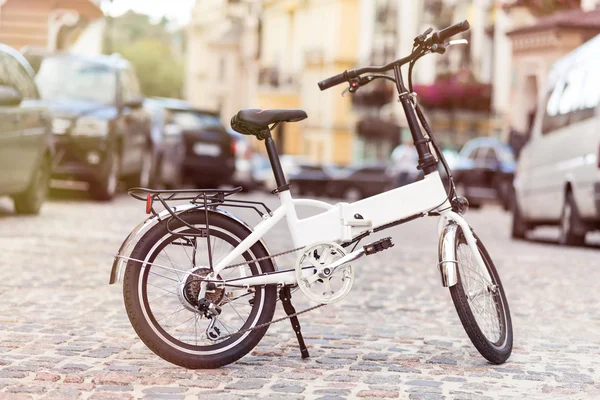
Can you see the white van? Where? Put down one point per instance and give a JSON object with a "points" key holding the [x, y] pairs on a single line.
{"points": [[558, 175]]}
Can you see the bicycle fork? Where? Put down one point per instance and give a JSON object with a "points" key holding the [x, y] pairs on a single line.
{"points": [[448, 226]]}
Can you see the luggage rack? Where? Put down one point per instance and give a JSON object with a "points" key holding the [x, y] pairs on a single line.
{"points": [[208, 198], [205, 199]]}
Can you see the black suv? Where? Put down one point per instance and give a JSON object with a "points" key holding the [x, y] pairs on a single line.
{"points": [[209, 160], [26, 148], [101, 130]]}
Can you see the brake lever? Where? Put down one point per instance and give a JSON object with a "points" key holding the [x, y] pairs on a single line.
{"points": [[457, 41], [356, 83]]}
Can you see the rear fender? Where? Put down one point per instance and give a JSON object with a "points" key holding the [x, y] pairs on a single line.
{"points": [[127, 246]]}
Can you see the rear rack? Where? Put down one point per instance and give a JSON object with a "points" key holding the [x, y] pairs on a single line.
{"points": [[209, 198], [206, 199]]}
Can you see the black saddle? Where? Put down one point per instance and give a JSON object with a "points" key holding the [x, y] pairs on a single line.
{"points": [[256, 122]]}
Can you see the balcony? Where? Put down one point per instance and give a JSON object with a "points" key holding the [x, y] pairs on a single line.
{"points": [[453, 92]]}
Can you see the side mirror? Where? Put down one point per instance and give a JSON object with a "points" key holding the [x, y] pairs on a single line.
{"points": [[134, 102], [9, 96]]}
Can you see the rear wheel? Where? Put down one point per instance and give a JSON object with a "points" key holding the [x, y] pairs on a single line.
{"points": [[481, 305], [519, 226], [571, 232], [162, 303]]}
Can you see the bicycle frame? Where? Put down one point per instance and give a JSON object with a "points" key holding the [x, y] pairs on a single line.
{"points": [[344, 222], [339, 223]]}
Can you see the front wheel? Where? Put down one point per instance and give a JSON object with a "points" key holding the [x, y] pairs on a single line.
{"points": [[481, 305], [161, 293]]}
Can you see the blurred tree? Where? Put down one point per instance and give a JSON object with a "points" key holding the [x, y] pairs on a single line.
{"points": [[154, 51], [160, 73]]}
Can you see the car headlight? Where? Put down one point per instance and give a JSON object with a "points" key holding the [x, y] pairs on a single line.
{"points": [[60, 126], [91, 126]]}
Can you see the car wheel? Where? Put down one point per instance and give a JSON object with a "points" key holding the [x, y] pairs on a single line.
{"points": [[570, 225], [352, 193], [519, 225], [30, 201], [105, 187], [144, 177]]}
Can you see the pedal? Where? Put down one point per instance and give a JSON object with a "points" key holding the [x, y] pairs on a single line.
{"points": [[286, 296], [378, 246]]}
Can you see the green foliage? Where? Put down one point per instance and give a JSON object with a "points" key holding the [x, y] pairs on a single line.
{"points": [[151, 49], [160, 73]]}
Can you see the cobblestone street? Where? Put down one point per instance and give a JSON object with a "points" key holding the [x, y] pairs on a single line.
{"points": [[64, 332]]}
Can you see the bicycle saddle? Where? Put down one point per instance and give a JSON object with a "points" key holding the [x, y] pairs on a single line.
{"points": [[256, 122]]}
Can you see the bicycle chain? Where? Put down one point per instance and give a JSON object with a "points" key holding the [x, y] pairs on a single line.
{"points": [[279, 319], [272, 322], [264, 258]]}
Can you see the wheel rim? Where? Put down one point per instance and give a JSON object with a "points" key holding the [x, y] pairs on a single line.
{"points": [[146, 169], [177, 324], [484, 301]]}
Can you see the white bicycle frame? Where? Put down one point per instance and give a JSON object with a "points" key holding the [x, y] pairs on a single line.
{"points": [[341, 223]]}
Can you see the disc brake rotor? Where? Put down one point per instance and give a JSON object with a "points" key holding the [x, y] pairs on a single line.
{"points": [[317, 280]]}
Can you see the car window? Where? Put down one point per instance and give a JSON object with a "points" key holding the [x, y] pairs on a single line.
{"points": [[572, 98], [312, 168], [130, 86], [488, 155], [371, 170], [472, 154], [67, 78], [193, 121], [13, 74]]}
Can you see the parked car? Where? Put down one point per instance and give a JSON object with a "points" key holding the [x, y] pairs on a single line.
{"points": [[26, 147], [358, 182], [244, 166], [264, 173], [101, 130], [309, 178], [484, 172], [558, 175], [209, 160], [168, 148]]}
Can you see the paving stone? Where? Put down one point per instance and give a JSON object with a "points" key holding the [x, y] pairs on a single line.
{"points": [[397, 334], [246, 384]]}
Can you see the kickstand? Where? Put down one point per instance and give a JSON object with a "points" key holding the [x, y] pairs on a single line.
{"points": [[286, 296]]}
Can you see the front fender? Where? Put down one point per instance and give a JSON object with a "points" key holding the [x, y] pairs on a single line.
{"points": [[447, 255], [126, 248]]}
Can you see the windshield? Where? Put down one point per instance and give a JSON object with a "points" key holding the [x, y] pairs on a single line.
{"points": [[194, 121], [65, 78]]}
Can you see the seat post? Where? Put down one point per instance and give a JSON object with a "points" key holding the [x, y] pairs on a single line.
{"points": [[276, 164]]}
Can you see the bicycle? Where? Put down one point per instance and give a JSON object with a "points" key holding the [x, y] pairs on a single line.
{"points": [[214, 305]]}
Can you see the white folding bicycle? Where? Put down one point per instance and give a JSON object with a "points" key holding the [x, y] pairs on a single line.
{"points": [[200, 286]]}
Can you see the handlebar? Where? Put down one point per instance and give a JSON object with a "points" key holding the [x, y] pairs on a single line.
{"points": [[446, 33], [334, 80], [435, 38]]}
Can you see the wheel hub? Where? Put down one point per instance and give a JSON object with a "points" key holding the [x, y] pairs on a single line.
{"points": [[190, 286]]}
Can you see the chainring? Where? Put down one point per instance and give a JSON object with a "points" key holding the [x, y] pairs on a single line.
{"points": [[324, 285]]}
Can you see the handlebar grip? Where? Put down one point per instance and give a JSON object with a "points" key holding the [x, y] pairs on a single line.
{"points": [[441, 36], [333, 81]]}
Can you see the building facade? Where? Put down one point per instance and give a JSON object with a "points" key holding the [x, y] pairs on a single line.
{"points": [[52, 24], [222, 55]]}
